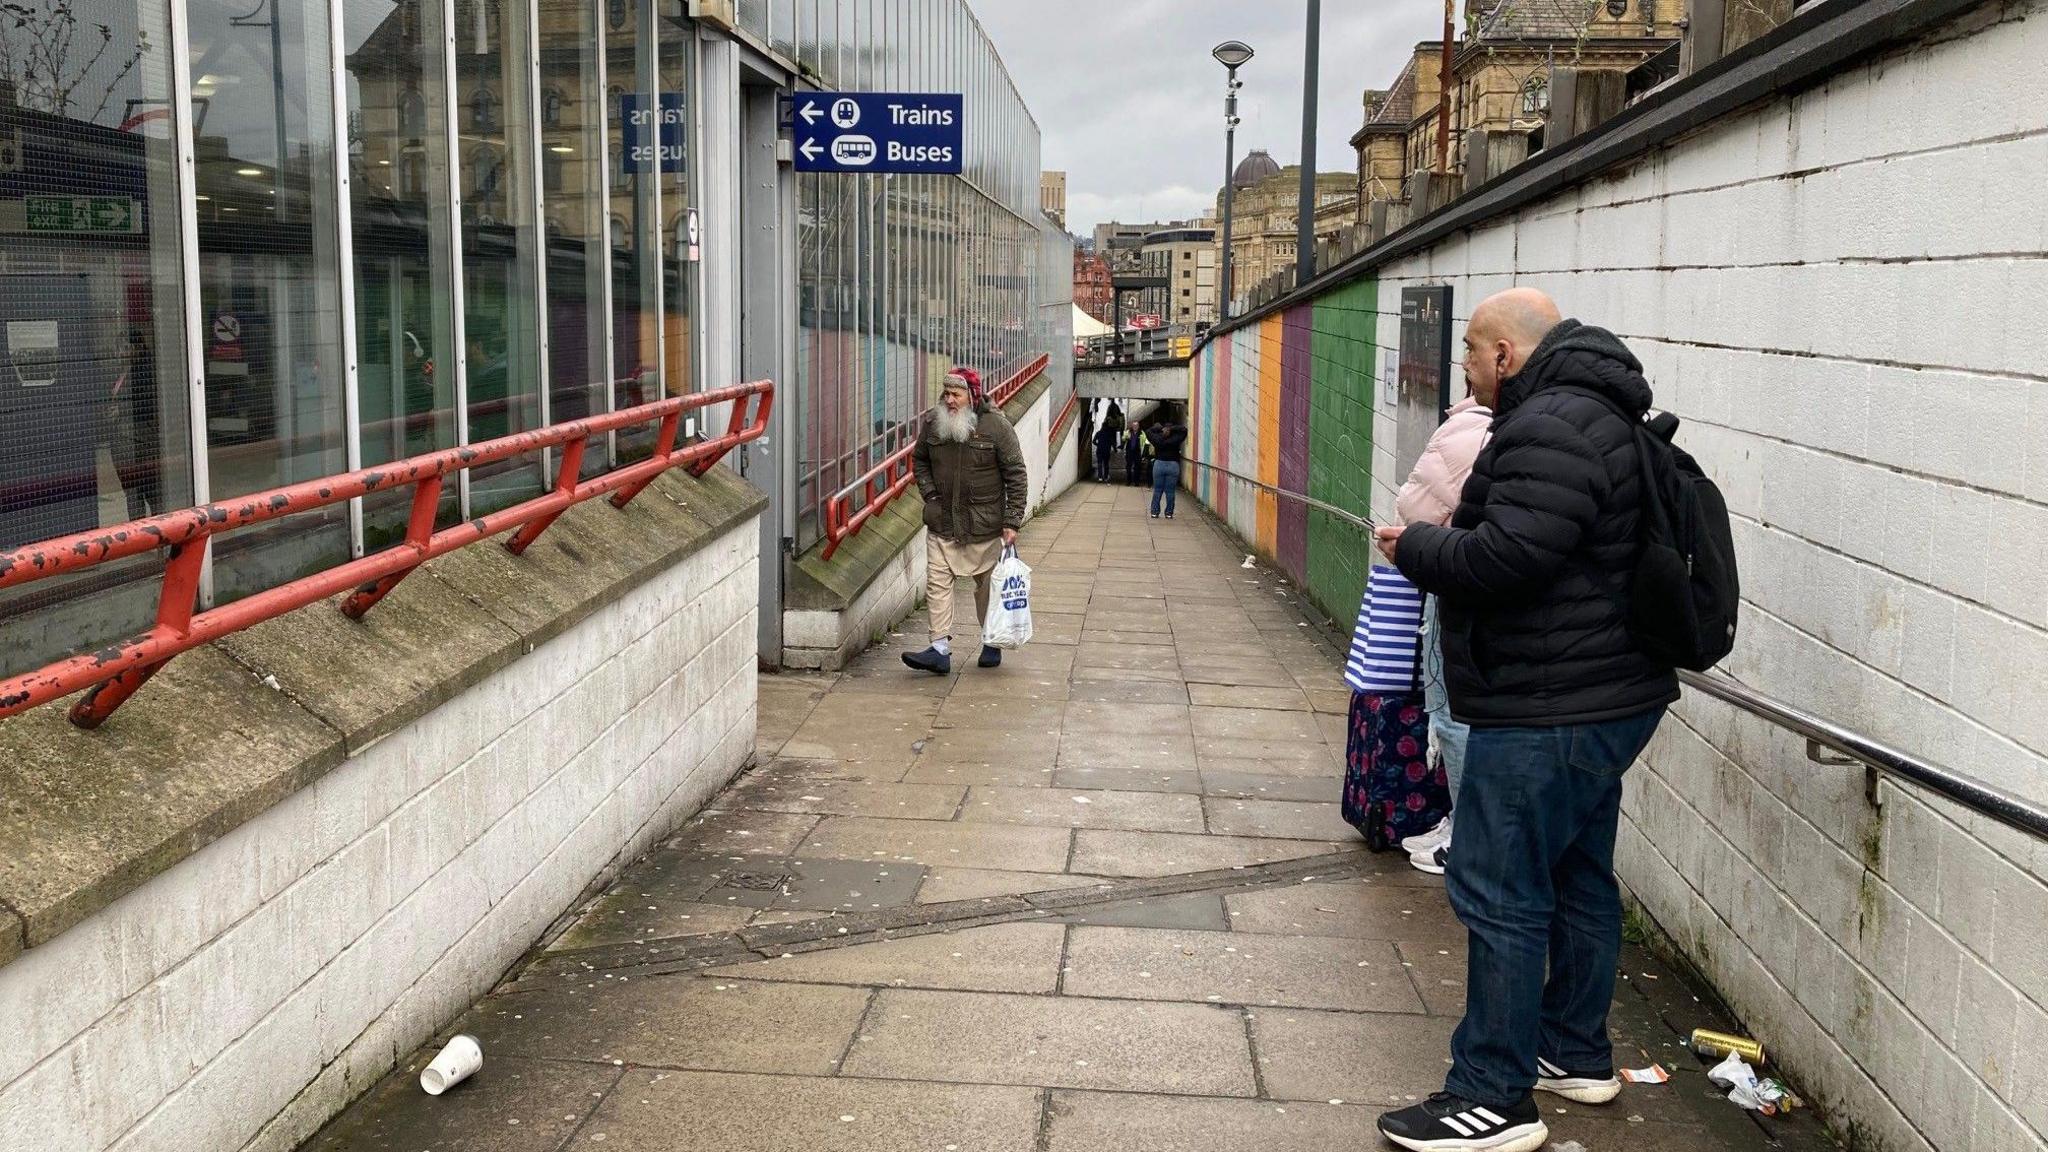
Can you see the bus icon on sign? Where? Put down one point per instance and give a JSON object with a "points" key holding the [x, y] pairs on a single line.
{"points": [[857, 151]]}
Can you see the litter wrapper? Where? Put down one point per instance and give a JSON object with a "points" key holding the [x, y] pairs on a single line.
{"points": [[1654, 1074], [1769, 1097], [1009, 610]]}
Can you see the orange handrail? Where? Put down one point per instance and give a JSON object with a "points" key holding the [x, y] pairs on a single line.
{"points": [[887, 480], [114, 673]]}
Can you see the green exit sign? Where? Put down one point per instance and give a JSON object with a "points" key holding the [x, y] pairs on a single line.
{"points": [[82, 214]]}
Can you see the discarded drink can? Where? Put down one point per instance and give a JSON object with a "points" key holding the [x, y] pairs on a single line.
{"points": [[1720, 1045]]}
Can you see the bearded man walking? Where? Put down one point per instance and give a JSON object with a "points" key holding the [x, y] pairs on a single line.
{"points": [[971, 473]]}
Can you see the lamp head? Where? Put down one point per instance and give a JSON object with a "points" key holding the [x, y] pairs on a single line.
{"points": [[1232, 54]]}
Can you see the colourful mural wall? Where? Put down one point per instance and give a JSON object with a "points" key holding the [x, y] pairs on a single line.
{"points": [[1288, 401]]}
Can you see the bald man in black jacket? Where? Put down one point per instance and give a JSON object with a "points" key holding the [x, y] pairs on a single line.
{"points": [[1533, 574]]}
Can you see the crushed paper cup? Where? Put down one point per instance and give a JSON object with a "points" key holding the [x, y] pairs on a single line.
{"points": [[456, 1063]]}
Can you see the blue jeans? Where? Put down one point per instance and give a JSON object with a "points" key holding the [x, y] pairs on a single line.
{"points": [[1166, 482], [1446, 734], [1532, 878], [1102, 465]]}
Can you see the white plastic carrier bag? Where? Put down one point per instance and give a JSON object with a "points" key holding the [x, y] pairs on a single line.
{"points": [[1009, 603]]}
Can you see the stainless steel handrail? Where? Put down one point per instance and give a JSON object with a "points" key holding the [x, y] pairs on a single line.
{"points": [[1984, 799]]}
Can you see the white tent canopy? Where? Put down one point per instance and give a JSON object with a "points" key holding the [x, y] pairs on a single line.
{"points": [[1086, 325]]}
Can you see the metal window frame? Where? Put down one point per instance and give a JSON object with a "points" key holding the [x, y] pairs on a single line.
{"points": [[457, 301], [537, 143], [345, 255], [188, 253], [604, 201]]}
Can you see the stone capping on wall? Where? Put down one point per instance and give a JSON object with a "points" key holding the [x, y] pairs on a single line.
{"points": [[229, 729], [1816, 43]]}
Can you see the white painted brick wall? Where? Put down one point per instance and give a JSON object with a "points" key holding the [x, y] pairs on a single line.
{"points": [[1840, 294], [245, 995]]}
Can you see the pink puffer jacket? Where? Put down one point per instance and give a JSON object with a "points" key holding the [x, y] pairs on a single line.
{"points": [[1431, 493]]}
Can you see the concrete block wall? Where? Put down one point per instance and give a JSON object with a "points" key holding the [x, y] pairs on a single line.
{"points": [[243, 996], [1839, 293]]}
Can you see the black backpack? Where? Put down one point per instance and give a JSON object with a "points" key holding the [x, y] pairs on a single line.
{"points": [[1684, 593]]}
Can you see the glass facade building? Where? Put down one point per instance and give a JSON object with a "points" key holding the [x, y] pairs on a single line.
{"points": [[245, 243]]}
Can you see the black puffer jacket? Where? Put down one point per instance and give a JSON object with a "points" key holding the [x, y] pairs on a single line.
{"points": [[1533, 569]]}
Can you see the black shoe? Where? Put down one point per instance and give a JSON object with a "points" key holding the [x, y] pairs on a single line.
{"points": [[991, 657], [930, 660], [1445, 1123], [1578, 1087]]}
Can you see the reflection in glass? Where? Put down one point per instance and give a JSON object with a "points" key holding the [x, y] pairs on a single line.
{"points": [[500, 240], [93, 415], [578, 243], [269, 274], [399, 219]]}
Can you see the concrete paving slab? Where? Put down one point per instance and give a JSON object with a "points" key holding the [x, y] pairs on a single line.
{"points": [[946, 884], [849, 734], [1102, 671], [1237, 968], [1002, 713], [1439, 974], [1122, 635], [625, 918], [1013, 776], [1266, 786], [996, 958], [1009, 748], [842, 885], [1245, 696], [1253, 723], [1157, 751], [510, 1105], [937, 843], [1131, 779], [845, 798], [736, 1112], [1273, 752], [1126, 717], [1256, 675], [1105, 853], [1361, 1058], [864, 771], [1301, 820], [675, 1022], [745, 833], [1197, 911], [1106, 688], [1313, 766], [1014, 684], [1333, 701], [1353, 911], [1110, 1122], [1058, 1041], [1078, 808], [1146, 657]]}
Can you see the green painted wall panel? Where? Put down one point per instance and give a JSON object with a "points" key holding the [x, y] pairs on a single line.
{"points": [[1340, 443]]}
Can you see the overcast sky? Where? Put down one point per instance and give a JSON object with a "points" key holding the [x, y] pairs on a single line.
{"points": [[1130, 104]]}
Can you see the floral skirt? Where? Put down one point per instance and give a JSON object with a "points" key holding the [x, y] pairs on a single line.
{"points": [[1391, 791]]}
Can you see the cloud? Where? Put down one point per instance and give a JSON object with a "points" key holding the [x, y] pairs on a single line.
{"points": [[1130, 104]]}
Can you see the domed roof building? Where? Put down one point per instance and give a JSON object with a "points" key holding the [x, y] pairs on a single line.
{"points": [[1253, 168]]}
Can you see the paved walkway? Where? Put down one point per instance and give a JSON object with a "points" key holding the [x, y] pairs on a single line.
{"points": [[1099, 899]]}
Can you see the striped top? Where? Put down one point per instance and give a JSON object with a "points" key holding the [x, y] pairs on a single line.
{"points": [[1384, 645]]}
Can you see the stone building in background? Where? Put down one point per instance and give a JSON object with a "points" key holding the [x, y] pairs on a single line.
{"points": [[1092, 291], [1265, 202]]}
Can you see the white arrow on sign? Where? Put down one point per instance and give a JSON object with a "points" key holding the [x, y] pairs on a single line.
{"points": [[809, 112], [810, 149]]}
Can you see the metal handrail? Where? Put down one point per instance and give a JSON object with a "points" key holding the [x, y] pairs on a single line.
{"points": [[114, 673], [1054, 429], [2013, 811], [894, 473]]}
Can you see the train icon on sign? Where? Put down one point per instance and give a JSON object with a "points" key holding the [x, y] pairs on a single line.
{"points": [[845, 113], [856, 151]]}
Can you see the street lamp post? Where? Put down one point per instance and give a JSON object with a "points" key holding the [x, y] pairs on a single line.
{"points": [[1232, 54], [1305, 213]]}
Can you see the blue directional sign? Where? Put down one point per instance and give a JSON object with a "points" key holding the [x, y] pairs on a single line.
{"points": [[878, 132]]}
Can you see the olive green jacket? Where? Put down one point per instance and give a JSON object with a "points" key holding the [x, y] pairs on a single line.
{"points": [[972, 490]]}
